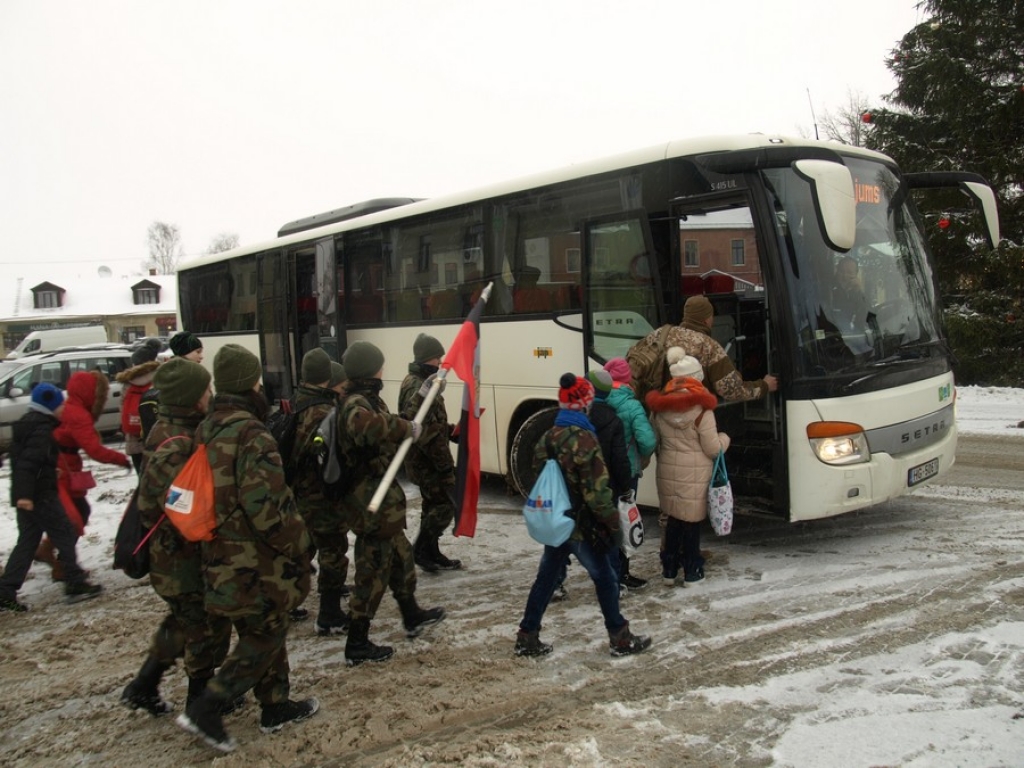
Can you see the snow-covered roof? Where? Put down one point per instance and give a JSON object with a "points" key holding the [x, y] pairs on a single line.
{"points": [[85, 295]]}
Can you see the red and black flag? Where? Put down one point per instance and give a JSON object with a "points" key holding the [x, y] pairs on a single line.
{"points": [[464, 358]]}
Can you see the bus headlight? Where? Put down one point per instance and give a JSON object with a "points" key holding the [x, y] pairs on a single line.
{"points": [[838, 442]]}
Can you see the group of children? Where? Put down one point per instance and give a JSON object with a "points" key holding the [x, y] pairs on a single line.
{"points": [[602, 439]]}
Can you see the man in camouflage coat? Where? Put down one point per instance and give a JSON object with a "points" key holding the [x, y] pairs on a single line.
{"points": [[175, 564], [573, 443], [256, 568], [368, 436], [324, 517], [694, 336], [429, 463]]}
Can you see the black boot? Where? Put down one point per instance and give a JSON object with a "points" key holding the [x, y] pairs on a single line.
{"points": [[442, 562], [417, 619], [143, 692], [358, 647], [196, 687], [422, 555], [628, 580], [331, 619], [203, 718]]}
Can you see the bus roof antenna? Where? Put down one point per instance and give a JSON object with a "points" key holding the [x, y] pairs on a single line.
{"points": [[814, 119]]}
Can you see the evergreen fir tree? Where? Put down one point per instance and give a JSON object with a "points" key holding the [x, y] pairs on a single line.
{"points": [[959, 105]]}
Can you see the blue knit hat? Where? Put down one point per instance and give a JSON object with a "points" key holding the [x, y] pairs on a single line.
{"points": [[47, 396]]}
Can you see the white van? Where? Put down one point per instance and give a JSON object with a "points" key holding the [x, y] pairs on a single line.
{"points": [[53, 338]]}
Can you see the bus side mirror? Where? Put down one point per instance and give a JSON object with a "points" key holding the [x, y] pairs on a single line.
{"points": [[985, 198], [834, 204]]}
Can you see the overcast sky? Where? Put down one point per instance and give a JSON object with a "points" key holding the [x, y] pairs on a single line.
{"points": [[240, 115]]}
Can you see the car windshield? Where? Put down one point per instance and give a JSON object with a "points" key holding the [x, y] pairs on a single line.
{"points": [[7, 367], [872, 307]]}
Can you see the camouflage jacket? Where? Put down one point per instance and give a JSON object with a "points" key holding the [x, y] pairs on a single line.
{"points": [[368, 438], [430, 456], [175, 564], [586, 476], [308, 486], [720, 375], [259, 561]]}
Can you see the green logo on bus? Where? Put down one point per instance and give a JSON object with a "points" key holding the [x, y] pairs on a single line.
{"points": [[945, 392]]}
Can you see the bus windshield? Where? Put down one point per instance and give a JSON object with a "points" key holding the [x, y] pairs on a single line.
{"points": [[872, 308]]}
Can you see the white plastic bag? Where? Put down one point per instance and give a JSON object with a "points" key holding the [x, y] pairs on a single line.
{"points": [[720, 498], [631, 524]]}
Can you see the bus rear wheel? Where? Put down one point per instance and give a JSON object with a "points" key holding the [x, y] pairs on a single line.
{"points": [[529, 434]]}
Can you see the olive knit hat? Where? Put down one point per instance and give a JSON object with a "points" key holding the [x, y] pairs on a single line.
{"points": [[362, 360], [235, 369], [426, 348], [337, 374], [181, 382], [316, 367]]}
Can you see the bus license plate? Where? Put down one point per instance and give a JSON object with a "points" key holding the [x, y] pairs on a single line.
{"points": [[922, 472]]}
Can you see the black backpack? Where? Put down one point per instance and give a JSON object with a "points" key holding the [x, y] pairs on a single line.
{"points": [[282, 424]]}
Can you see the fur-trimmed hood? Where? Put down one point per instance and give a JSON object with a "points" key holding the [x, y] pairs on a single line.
{"points": [[90, 390], [140, 374], [681, 394]]}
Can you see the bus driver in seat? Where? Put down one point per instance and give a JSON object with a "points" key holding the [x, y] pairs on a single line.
{"points": [[849, 305]]}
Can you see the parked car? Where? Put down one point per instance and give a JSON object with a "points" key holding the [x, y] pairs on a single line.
{"points": [[17, 377]]}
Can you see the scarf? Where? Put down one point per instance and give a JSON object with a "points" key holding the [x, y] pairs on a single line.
{"points": [[569, 418]]}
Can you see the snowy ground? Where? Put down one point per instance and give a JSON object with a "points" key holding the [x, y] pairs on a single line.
{"points": [[891, 636]]}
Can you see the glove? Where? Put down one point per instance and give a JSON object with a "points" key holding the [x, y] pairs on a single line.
{"points": [[428, 382], [417, 430]]}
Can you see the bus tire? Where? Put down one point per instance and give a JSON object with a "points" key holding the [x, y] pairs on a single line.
{"points": [[521, 458]]}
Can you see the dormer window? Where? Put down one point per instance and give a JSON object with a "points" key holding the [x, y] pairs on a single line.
{"points": [[47, 296], [146, 292]]}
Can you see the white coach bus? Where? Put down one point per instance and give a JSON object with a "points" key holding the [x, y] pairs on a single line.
{"points": [[587, 259]]}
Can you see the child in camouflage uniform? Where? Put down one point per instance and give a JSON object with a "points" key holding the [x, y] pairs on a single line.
{"points": [[175, 564], [257, 566], [429, 463], [368, 436], [324, 518]]}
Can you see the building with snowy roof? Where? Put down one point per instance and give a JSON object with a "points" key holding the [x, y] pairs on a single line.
{"points": [[128, 307]]}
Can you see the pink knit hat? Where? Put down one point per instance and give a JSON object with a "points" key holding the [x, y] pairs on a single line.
{"points": [[618, 368]]}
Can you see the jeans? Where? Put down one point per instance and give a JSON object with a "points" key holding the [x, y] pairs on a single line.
{"points": [[47, 517], [606, 584]]}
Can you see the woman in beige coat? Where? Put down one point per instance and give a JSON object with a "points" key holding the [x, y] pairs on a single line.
{"points": [[682, 413]]}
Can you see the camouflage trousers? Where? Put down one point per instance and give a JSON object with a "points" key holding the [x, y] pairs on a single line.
{"points": [[381, 563], [259, 661], [328, 529], [331, 558], [189, 631], [438, 509]]}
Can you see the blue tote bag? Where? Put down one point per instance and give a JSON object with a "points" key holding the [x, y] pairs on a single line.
{"points": [[546, 506]]}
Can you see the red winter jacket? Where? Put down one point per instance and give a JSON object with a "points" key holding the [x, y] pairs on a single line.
{"points": [[137, 380], [86, 396]]}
